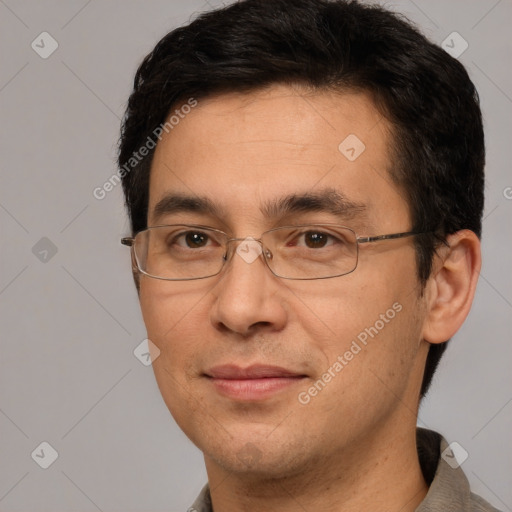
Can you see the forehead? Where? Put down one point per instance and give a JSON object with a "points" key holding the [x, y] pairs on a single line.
{"points": [[244, 150]]}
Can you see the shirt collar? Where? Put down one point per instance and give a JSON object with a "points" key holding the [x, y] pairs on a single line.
{"points": [[449, 489]]}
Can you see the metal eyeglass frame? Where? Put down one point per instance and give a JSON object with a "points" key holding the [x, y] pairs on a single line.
{"points": [[129, 241]]}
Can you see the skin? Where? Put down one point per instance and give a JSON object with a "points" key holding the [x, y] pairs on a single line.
{"points": [[352, 447]]}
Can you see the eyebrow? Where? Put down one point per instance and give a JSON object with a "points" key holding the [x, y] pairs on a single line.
{"points": [[176, 203], [326, 200]]}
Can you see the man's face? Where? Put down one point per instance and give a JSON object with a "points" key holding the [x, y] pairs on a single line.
{"points": [[218, 335]]}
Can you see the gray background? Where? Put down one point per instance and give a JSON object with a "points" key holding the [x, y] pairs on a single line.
{"points": [[70, 321]]}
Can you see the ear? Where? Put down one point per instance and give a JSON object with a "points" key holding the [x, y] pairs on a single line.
{"points": [[451, 286]]}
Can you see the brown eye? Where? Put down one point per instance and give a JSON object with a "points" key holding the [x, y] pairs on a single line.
{"points": [[315, 240], [195, 239]]}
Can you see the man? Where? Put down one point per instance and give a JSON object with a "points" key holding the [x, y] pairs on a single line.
{"points": [[304, 181]]}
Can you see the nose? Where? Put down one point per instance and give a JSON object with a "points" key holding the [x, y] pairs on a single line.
{"points": [[248, 297]]}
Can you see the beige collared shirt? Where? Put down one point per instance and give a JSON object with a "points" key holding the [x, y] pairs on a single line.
{"points": [[449, 488]]}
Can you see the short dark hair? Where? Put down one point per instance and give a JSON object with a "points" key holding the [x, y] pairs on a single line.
{"points": [[427, 96]]}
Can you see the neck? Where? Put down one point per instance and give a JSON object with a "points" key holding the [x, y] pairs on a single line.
{"points": [[382, 473]]}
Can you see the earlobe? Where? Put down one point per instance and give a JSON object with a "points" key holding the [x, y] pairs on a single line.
{"points": [[451, 286]]}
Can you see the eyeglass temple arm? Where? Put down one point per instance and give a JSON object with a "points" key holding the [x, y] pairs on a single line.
{"points": [[392, 236], [366, 239], [127, 241]]}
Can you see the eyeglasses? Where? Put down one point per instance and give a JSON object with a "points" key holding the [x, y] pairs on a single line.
{"points": [[182, 252]]}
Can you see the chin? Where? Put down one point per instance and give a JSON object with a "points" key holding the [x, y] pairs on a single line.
{"points": [[263, 460]]}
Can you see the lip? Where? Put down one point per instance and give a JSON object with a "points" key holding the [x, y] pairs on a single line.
{"points": [[253, 383], [255, 371]]}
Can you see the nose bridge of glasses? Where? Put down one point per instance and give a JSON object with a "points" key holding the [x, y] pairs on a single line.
{"points": [[248, 248]]}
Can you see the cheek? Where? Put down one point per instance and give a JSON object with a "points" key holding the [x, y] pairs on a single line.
{"points": [[171, 316], [176, 322], [371, 321], [169, 307], [371, 363]]}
